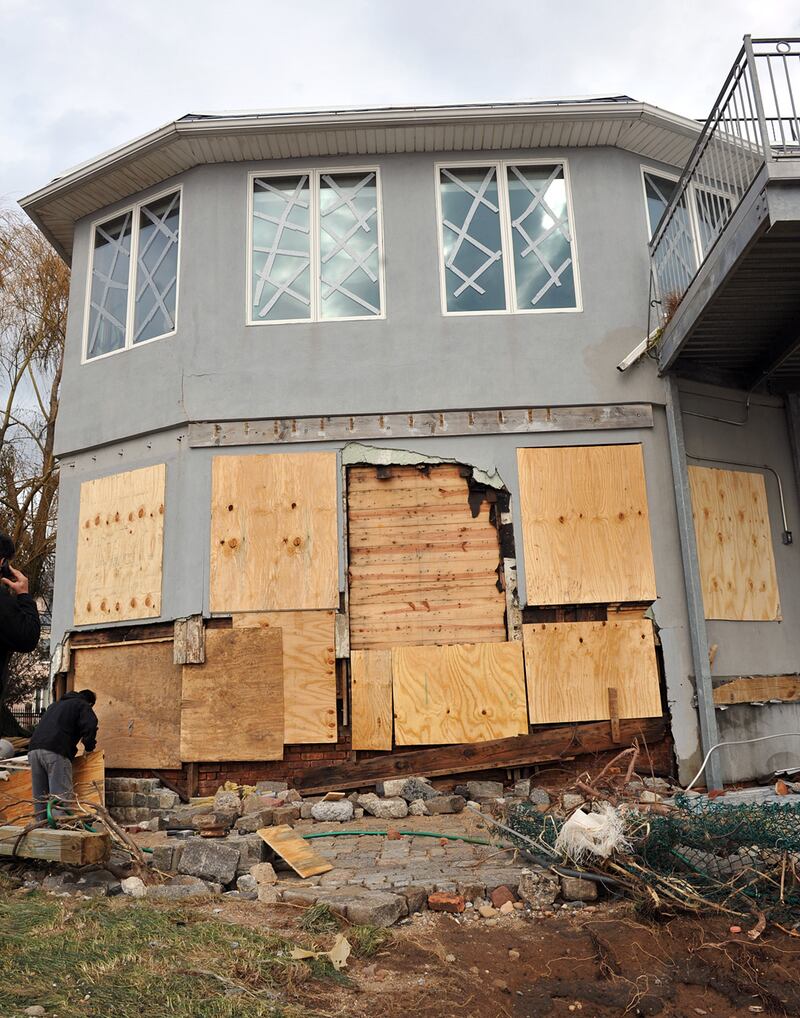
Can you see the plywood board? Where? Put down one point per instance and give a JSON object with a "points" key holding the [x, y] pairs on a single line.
{"points": [[309, 671], [585, 525], [232, 706], [570, 667], [297, 852], [371, 698], [88, 779], [422, 568], [138, 705], [453, 694], [274, 537], [120, 547], [734, 545]]}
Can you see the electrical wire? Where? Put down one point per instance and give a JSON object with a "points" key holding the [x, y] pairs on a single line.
{"points": [[736, 742]]}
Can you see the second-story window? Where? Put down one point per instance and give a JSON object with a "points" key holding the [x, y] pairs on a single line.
{"points": [[315, 246], [507, 239], [133, 286]]}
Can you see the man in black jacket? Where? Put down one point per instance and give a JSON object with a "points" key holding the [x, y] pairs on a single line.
{"points": [[54, 744], [19, 625]]}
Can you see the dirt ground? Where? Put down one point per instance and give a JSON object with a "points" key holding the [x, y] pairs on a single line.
{"points": [[604, 962]]}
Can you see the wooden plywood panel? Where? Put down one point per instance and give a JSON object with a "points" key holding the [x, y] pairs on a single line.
{"points": [[371, 698], [88, 782], [274, 543], [757, 689], [734, 544], [298, 853], [232, 706], [570, 667], [309, 671], [138, 702], [585, 525], [120, 547], [422, 568], [453, 694]]}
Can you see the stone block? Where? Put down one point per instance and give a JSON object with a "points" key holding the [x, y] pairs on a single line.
{"points": [[249, 823], [267, 894], [255, 803], [333, 812], [522, 788], [264, 873], [271, 787], [251, 848], [445, 804], [133, 887], [227, 802], [383, 809], [482, 791], [165, 857], [305, 810], [376, 908], [416, 898], [577, 889], [286, 815], [290, 795], [444, 901], [538, 889], [167, 799], [247, 886], [539, 797], [210, 860], [175, 892], [406, 788], [123, 798], [471, 890]]}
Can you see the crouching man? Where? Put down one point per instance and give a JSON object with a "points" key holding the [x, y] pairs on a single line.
{"points": [[54, 744]]}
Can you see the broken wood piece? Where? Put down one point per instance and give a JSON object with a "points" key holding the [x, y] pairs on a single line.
{"points": [[613, 713], [712, 653], [76, 848], [189, 642], [333, 796], [756, 688], [294, 850]]}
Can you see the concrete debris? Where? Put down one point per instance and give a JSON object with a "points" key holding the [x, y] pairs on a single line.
{"points": [[264, 873], [134, 887], [177, 892], [227, 802], [384, 809], [417, 808], [484, 791], [538, 889], [210, 860], [578, 889], [267, 895], [445, 804], [522, 788], [256, 803], [271, 787], [247, 886], [406, 788], [340, 811], [539, 797]]}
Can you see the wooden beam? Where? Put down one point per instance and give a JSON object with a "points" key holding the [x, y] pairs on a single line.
{"points": [[76, 848], [756, 688], [542, 746], [356, 428]]}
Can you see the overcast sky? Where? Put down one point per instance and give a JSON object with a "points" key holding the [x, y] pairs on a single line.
{"points": [[78, 77]]}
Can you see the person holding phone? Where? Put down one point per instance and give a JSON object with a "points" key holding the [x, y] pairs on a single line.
{"points": [[19, 625]]}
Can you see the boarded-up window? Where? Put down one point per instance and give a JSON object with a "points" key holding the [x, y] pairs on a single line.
{"points": [[423, 569], [585, 526], [120, 547], [571, 666], [734, 544], [274, 543], [138, 702]]}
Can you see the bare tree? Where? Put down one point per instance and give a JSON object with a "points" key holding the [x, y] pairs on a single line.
{"points": [[34, 284]]}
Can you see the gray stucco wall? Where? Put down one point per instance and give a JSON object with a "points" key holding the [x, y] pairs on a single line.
{"points": [[216, 367]]}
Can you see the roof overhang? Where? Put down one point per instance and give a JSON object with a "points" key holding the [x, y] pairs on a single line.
{"points": [[200, 139]]}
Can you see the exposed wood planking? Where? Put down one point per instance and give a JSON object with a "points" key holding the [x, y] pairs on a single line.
{"points": [[570, 667], [274, 543], [232, 706], [309, 671], [403, 543], [585, 525], [542, 746], [88, 781], [70, 848], [298, 853], [734, 544], [190, 641], [454, 694], [138, 691], [757, 689], [513, 420], [120, 547], [371, 699]]}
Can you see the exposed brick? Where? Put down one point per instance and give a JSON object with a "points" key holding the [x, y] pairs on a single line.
{"points": [[442, 901]]}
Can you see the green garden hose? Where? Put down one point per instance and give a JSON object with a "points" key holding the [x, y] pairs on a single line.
{"points": [[410, 834]]}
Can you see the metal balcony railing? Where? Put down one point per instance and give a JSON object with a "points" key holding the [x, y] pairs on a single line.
{"points": [[755, 119]]}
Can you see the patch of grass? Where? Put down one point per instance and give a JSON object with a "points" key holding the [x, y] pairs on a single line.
{"points": [[141, 960], [366, 941], [319, 919]]}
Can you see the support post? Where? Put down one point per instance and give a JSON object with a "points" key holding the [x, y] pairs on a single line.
{"points": [[709, 734]]}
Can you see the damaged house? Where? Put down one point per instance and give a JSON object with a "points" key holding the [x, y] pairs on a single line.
{"points": [[351, 485]]}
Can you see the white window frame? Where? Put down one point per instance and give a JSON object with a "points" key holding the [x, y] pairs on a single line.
{"points": [[314, 175], [131, 308], [506, 237]]}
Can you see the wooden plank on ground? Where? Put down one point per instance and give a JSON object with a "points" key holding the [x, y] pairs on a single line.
{"points": [[138, 705], [309, 671], [88, 779], [295, 850], [371, 698], [734, 545], [585, 525], [458, 694], [120, 547], [73, 848], [570, 667], [274, 534], [755, 689], [232, 706], [543, 746]]}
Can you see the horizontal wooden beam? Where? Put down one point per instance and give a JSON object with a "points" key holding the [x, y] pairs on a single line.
{"points": [[357, 428], [756, 688], [542, 746], [77, 848]]}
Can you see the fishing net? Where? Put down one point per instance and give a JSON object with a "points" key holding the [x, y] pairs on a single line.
{"points": [[741, 857]]}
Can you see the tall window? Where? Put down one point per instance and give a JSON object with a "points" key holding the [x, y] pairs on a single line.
{"points": [[133, 289], [507, 241], [315, 247]]}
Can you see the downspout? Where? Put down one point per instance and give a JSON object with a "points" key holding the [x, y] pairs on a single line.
{"points": [[709, 734]]}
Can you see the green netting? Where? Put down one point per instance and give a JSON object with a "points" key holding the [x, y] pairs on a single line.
{"points": [[741, 856]]}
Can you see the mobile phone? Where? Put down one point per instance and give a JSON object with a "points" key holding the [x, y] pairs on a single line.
{"points": [[5, 571]]}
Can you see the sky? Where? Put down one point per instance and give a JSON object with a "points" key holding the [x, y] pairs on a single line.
{"points": [[78, 77]]}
